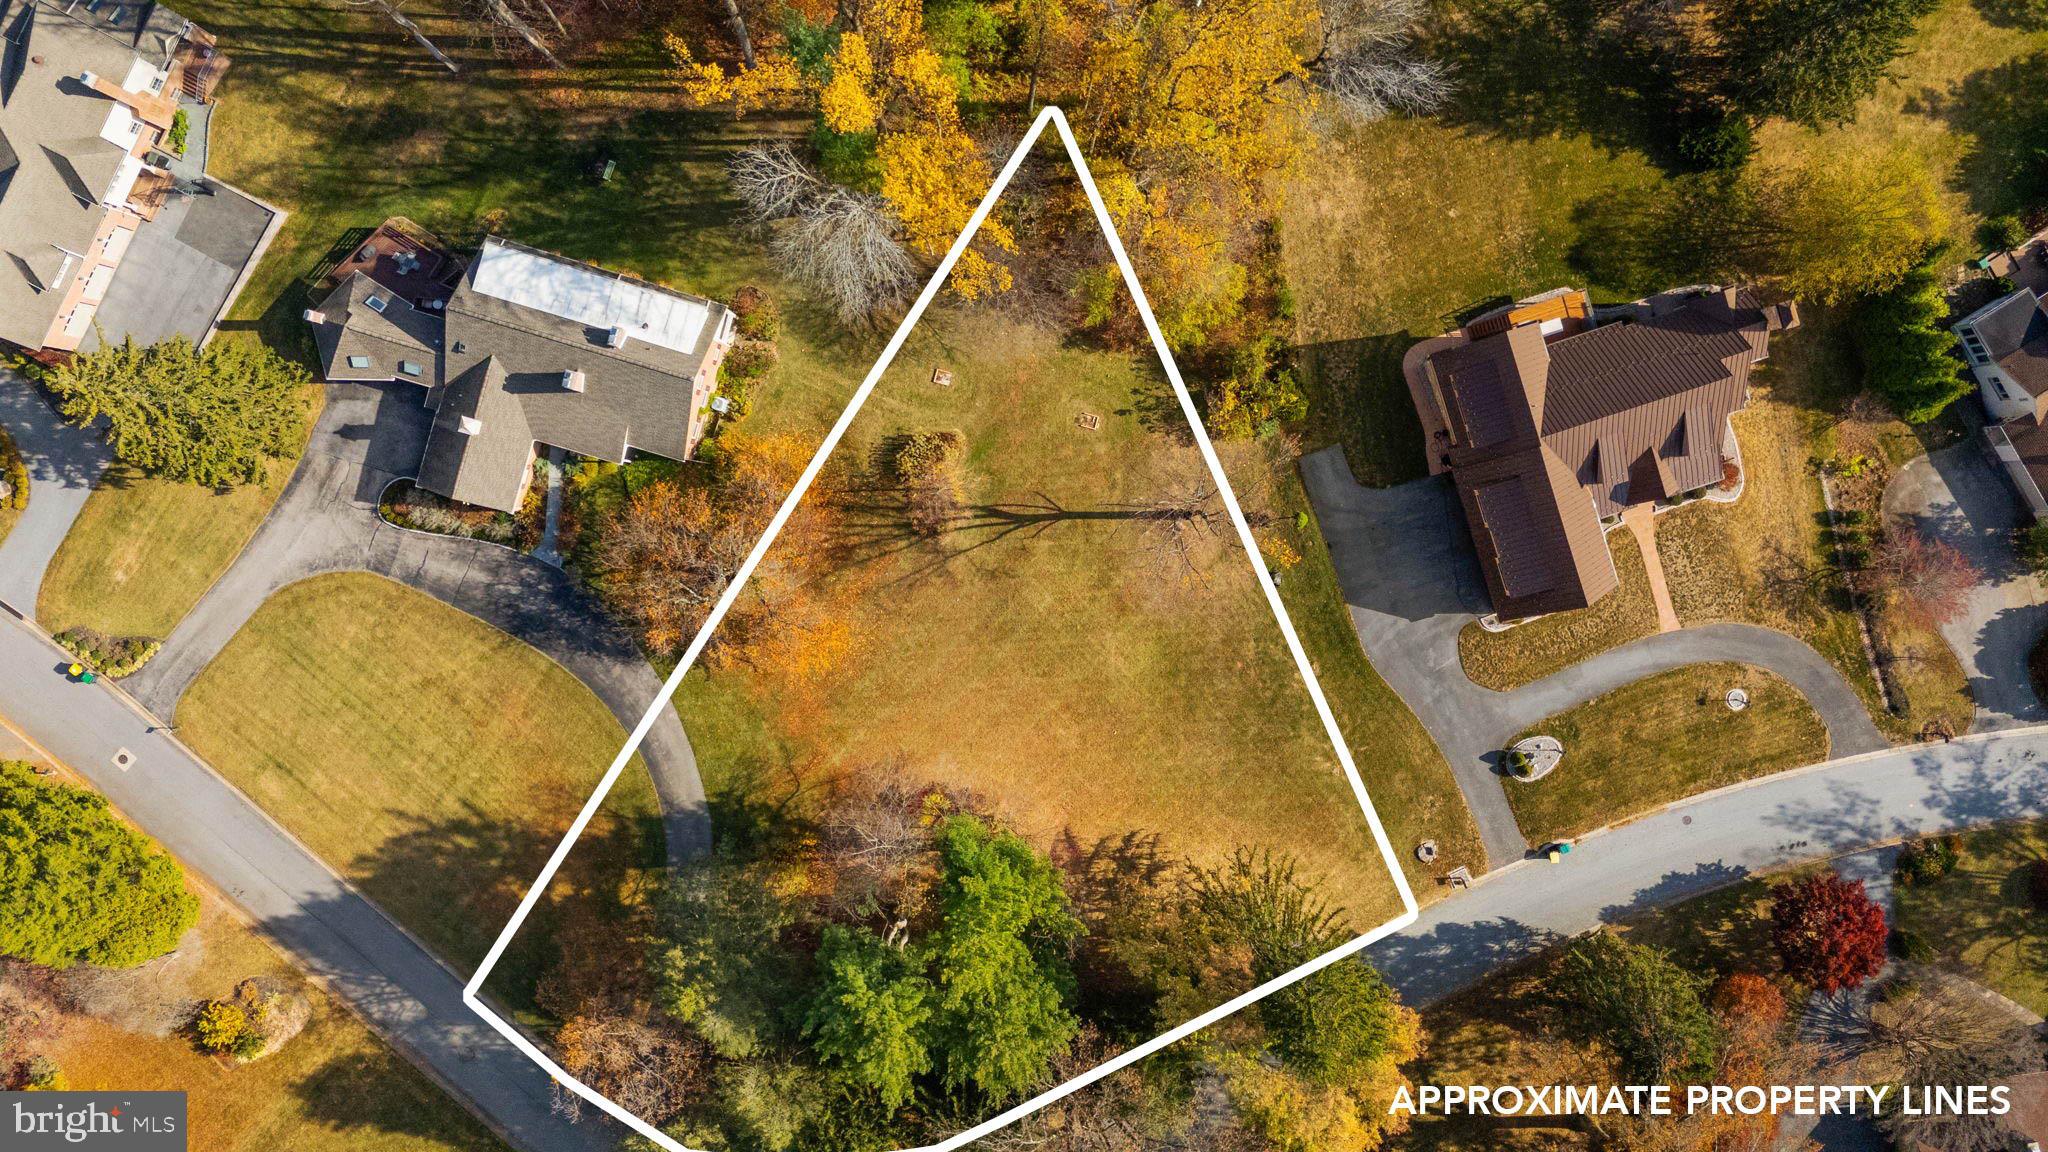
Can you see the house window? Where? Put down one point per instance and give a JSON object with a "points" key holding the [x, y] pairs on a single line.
{"points": [[359, 361], [408, 367], [1998, 386], [377, 303]]}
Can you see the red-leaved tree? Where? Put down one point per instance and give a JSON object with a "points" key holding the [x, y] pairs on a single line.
{"points": [[1828, 931], [1933, 578]]}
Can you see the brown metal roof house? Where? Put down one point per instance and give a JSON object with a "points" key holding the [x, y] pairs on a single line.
{"points": [[532, 348], [1555, 424], [88, 91]]}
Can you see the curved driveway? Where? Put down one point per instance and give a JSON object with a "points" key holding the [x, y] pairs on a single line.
{"points": [[326, 521], [63, 462], [1412, 585], [1715, 839]]}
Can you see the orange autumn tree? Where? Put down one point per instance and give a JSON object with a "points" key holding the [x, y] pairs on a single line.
{"points": [[667, 557], [881, 87]]}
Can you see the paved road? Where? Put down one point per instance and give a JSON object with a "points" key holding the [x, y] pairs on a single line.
{"points": [[1953, 495], [331, 930], [327, 521], [1715, 839], [1412, 584], [62, 464]]}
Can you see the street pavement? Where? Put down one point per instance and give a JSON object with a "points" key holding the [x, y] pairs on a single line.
{"points": [[1715, 839], [332, 930]]}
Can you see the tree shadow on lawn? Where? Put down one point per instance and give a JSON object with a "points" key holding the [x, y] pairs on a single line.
{"points": [[1357, 397], [456, 882], [2003, 113], [1527, 69], [375, 1091]]}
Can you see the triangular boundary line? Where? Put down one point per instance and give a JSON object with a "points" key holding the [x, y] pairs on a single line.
{"points": [[1050, 115]]}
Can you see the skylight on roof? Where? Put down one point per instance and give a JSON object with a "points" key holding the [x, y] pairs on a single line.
{"points": [[377, 303]]}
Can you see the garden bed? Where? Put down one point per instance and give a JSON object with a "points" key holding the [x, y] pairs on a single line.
{"points": [[110, 656], [409, 506]]}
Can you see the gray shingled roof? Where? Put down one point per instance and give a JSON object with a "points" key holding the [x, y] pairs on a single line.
{"points": [[350, 327], [51, 125]]}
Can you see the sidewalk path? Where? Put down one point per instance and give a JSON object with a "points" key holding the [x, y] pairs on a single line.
{"points": [[1716, 839], [1410, 580], [63, 462], [1641, 522], [330, 929]]}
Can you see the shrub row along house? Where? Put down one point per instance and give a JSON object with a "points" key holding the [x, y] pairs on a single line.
{"points": [[529, 348], [90, 184], [1551, 424]]}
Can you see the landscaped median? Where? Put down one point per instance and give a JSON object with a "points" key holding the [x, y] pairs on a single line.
{"points": [[1662, 739]]}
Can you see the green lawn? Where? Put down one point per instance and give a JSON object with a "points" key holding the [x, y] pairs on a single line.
{"points": [[1529, 652], [430, 758], [144, 550], [1981, 916], [1664, 738]]}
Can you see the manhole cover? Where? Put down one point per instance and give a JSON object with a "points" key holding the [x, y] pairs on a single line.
{"points": [[1737, 699], [124, 759]]}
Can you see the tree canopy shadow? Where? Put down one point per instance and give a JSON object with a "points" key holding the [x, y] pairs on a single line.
{"points": [[2003, 113]]}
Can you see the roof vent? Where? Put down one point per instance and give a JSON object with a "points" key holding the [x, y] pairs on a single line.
{"points": [[573, 380], [469, 425], [315, 316], [616, 338], [377, 303], [88, 79]]}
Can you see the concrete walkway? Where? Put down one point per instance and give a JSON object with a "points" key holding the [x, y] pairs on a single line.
{"points": [[332, 932], [327, 521], [1715, 839], [63, 462], [1411, 582], [1954, 496], [1641, 522]]}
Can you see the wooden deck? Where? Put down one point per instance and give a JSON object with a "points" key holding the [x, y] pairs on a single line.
{"points": [[403, 257]]}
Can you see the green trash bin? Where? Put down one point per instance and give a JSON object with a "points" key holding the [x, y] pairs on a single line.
{"points": [[85, 677]]}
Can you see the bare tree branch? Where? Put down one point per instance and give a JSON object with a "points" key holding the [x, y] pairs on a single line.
{"points": [[399, 18]]}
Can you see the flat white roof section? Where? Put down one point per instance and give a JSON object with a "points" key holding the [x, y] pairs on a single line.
{"points": [[124, 182], [590, 296], [142, 78], [122, 128]]}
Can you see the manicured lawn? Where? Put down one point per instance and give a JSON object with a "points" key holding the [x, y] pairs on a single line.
{"points": [[1981, 916], [143, 551], [1043, 656], [1664, 738], [1529, 652], [430, 758], [335, 1088]]}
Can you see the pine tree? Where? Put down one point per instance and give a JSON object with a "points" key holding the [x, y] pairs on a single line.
{"points": [[1906, 347]]}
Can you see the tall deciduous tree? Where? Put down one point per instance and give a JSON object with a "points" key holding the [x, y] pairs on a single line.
{"points": [[77, 885], [1828, 931], [1645, 1007], [210, 416]]}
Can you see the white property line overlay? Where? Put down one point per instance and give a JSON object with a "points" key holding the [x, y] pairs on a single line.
{"points": [[1051, 115]]}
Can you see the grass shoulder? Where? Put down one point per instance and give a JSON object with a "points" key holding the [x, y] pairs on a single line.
{"points": [[463, 754], [1529, 652], [1661, 739]]}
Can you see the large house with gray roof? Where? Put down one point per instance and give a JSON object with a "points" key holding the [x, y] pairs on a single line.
{"points": [[1552, 423], [88, 91], [528, 349]]}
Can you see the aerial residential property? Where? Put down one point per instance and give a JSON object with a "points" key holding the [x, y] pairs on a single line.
{"points": [[2006, 343], [1551, 425], [524, 348], [109, 225]]}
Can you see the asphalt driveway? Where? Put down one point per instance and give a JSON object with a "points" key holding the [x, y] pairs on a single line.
{"points": [[1954, 495], [1411, 582], [327, 521], [63, 462]]}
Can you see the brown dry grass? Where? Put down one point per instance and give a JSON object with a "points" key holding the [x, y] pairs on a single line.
{"points": [[1529, 652]]}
